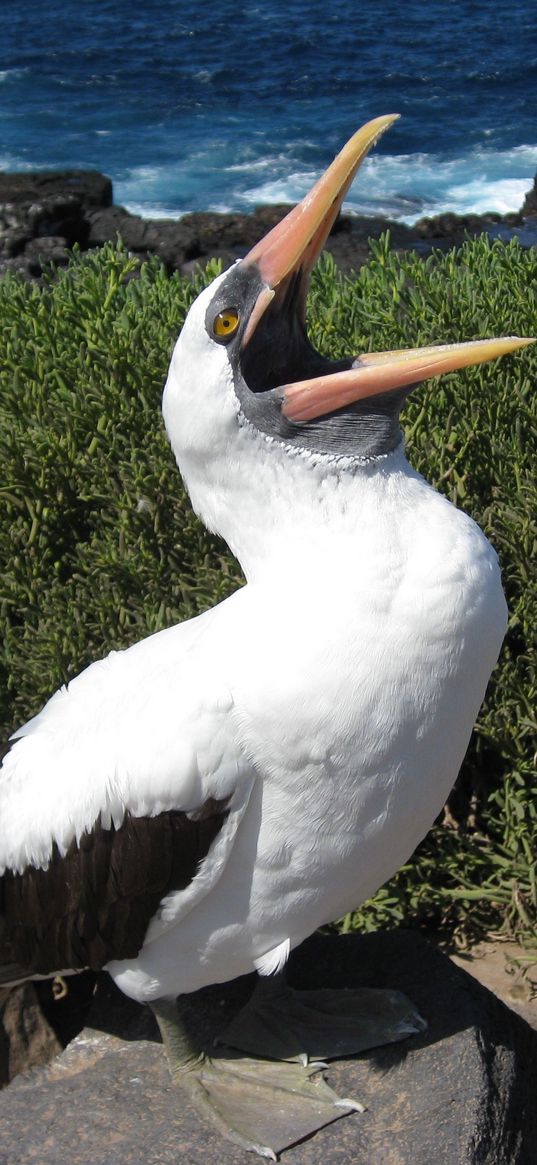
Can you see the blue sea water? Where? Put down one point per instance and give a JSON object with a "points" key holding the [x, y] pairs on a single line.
{"points": [[223, 104]]}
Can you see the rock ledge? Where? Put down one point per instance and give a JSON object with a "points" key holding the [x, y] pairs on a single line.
{"points": [[44, 214], [463, 1093]]}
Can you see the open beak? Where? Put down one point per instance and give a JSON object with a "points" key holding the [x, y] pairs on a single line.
{"points": [[377, 372], [291, 248]]}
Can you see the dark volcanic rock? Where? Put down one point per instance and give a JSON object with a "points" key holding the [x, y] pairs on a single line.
{"points": [[529, 209], [41, 252], [58, 217], [193, 238], [452, 226], [76, 207], [51, 206], [89, 186], [462, 1093]]}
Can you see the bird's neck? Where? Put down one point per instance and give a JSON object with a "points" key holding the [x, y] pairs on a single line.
{"points": [[282, 512]]}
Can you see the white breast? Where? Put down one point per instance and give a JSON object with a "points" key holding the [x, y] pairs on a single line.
{"points": [[357, 674]]}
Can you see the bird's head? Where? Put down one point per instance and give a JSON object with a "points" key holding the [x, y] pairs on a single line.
{"points": [[244, 364]]}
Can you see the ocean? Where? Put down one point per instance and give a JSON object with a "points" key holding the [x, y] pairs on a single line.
{"points": [[224, 105]]}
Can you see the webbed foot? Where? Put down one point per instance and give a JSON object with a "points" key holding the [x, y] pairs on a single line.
{"points": [[264, 1106], [328, 1023]]}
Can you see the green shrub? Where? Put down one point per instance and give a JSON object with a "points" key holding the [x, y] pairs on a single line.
{"points": [[99, 546]]}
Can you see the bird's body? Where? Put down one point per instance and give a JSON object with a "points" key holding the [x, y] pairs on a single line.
{"points": [[281, 699], [344, 779], [190, 809]]}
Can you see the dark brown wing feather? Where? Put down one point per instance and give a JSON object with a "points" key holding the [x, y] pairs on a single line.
{"points": [[95, 903]]}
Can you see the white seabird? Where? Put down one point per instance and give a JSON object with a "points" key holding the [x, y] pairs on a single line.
{"points": [[192, 808]]}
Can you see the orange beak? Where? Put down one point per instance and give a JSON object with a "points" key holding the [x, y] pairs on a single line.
{"points": [[293, 246], [297, 241], [378, 372]]}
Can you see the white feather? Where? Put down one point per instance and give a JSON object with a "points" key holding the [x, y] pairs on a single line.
{"points": [[275, 960]]}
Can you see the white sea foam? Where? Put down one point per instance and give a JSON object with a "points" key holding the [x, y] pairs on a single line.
{"points": [[478, 197], [12, 164], [144, 190], [411, 186], [204, 76], [252, 167], [405, 187], [12, 74], [401, 187], [153, 210], [290, 188]]}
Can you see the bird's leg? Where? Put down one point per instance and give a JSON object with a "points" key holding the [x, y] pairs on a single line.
{"points": [[285, 1024], [181, 1051], [259, 1104]]}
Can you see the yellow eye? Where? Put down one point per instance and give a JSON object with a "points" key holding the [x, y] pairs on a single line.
{"points": [[226, 323]]}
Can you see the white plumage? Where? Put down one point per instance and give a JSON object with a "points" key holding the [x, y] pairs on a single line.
{"points": [[332, 697]]}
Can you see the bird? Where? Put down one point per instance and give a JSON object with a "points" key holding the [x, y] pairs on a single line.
{"points": [[191, 808]]}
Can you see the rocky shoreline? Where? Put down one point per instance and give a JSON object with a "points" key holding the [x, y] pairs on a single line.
{"points": [[44, 214]]}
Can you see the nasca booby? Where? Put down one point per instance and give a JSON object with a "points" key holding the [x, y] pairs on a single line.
{"points": [[190, 809]]}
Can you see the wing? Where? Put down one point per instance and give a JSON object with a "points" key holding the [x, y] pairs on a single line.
{"points": [[95, 902], [129, 785]]}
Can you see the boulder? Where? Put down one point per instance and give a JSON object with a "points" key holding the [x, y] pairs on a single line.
{"points": [[452, 226], [89, 187], [47, 205], [529, 208], [26, 1036], [57, 216], [40, 253], [461, 1092], [190, 240]]}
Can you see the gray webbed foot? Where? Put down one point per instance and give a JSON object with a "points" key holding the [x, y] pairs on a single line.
{"points": [[261, 1105], [328, 1023], [271, 1093]]}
